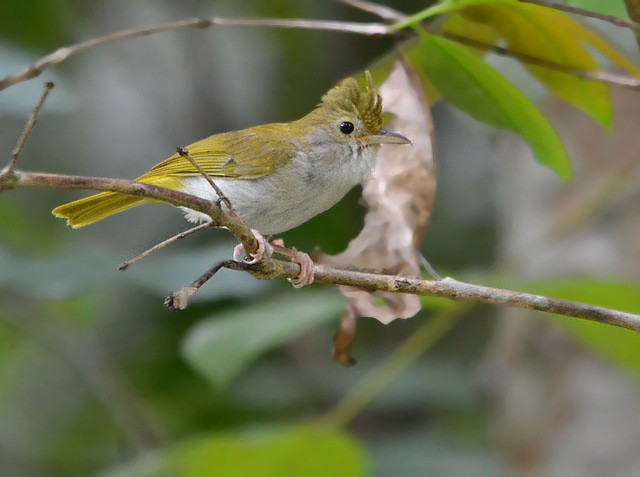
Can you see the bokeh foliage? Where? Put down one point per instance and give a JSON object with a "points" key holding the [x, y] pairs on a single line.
{"points": [[97, 377]]}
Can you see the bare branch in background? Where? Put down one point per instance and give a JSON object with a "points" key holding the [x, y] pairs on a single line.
{"points": [[625, 81], [617, 21], [383, 11], [61, 54], [28, 127], [369, 29]]}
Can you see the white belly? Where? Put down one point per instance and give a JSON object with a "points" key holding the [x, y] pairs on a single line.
{"points": [[287, 198]]}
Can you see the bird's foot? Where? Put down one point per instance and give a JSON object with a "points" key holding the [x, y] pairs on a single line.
{"points": [[306, 275], [264, 250]]}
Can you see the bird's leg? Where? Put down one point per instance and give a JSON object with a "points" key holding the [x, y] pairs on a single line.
{"points": [[306, 275], [264, 250]]}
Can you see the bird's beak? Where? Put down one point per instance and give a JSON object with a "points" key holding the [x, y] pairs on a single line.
{"points": [[386, 137]]}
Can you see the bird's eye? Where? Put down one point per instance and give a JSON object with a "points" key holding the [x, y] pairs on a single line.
{"points": [[346, 127]]}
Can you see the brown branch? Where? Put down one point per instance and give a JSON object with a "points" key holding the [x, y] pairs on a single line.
{"points": [[18, 179], [445, 288], [617, 21], [370, 29], [61, 54], [272, 269], [455, 290]]}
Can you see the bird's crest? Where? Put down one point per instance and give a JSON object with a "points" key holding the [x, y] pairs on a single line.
{"points": [[362, 99]]}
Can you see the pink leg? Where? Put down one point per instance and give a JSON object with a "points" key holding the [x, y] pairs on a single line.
{"points": [[264, 249], [306, 275]]}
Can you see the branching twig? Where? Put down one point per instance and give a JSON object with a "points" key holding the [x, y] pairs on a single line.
{"points": [[180, 300], [445, 288], [61, 54], [274, 269], [221, 197], [617, 21], [28, 127], [370, 29], [165, 243]]}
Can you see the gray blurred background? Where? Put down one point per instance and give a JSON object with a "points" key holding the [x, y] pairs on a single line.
{"points": [[91, 369]]}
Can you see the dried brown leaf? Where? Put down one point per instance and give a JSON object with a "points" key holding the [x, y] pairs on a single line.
{"points": [[399, 198]]}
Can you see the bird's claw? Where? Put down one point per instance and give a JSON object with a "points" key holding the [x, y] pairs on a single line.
{"points": [[306, 275], [265, 250]]}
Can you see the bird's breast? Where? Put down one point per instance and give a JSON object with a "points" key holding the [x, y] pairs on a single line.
{"points": [[292, 194]]}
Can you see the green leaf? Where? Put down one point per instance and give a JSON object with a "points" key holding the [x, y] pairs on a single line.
{"points": [[539, 33], [302, 451], [221, 347], [551, 36], [476, 88], [616, 345]]}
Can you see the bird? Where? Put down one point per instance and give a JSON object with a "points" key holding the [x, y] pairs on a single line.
{"points": [[276, 176]]}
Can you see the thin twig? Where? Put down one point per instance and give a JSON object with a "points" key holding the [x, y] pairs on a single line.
{"points": [[221, 197], [165, 243], [424, 263], [61, 54], [28, 127], [179, 300], [369, 29], [625, 81], [384, 12], [617, 21]]}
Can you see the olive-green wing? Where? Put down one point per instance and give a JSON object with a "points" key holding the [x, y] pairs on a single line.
{"points": [[246, 154]]}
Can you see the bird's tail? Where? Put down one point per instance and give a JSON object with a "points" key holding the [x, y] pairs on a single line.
{"points": [[96, 207]]}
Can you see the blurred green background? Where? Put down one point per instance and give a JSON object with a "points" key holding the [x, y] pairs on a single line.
{"points": [[96, 378]]}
